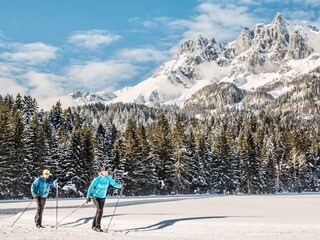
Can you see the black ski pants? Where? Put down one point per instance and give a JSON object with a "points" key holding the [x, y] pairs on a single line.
{"points": [[40, 206], [99, 203]]}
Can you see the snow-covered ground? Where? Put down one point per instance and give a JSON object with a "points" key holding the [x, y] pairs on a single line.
{"points": [[187, 217]]}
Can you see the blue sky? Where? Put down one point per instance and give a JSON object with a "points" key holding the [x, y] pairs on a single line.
{"points": [[49, 48]]}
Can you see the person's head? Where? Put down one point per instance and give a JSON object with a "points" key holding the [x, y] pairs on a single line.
{"points": [[104, 170], [46, 173]]}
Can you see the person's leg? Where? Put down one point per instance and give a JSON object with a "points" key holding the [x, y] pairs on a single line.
{"points": [[96, 203], [37, 216], [40, 206], [101, 202], [43, 202]]}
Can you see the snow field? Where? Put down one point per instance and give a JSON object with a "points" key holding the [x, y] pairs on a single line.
{"points": [[171, 217]]}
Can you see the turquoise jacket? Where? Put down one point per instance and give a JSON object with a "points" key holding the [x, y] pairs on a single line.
{"points": [[99, 186], [41, 186]]}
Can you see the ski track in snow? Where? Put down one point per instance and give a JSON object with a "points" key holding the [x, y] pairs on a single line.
{"points": [[285, 217]]}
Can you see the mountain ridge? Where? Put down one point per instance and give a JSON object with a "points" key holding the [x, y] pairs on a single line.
{"points": [[274, 53]]}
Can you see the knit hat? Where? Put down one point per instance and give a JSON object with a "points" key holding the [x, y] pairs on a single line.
{"points": [[46, 172], [104, 168]]}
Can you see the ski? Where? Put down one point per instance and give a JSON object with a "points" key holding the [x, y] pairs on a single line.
{"points": [[125, 231]]}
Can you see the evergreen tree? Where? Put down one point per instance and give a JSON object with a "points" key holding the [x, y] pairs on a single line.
{"points": [[269, 170], [162, 155], [145, 173], [223, 165], [287, 167], [298, 163], [118, 171], [32, 164], [180, 157], [101, 151], [29, 109], [111, 135], [87, 156], [18, 153], [131, 156], [193, 168], [313, 166], [251, 181], [47, 141], [6, 153], [56, 117], [72, 171], [205, 162]]}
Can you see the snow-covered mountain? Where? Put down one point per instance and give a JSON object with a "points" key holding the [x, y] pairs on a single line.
{"points": [[86, 97], [270, 55], [218, 96]]}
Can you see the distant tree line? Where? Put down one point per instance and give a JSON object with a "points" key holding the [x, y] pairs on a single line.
{"points": [[155, 151]]}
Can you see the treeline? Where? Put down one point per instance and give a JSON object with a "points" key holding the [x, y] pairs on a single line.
{"points": [[252, 153]]}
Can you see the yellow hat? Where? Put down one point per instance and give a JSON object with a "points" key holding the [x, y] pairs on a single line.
{"points": [[46, 171]]}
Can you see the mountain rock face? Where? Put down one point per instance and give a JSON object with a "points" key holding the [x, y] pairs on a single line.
{"points": [[193, 53], [267, 47], [86, 97], [298, 47], [303, 97], [219, 96], [258, 66], [215, 96], [243, 42]]}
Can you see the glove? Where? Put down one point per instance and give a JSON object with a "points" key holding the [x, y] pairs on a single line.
{"points": [[35, 195], [88, 200]]}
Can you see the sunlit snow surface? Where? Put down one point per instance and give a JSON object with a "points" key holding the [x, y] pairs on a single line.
{"points": [[176, 217]]}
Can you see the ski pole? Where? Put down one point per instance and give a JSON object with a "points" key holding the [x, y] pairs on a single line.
{"points": [[115, 209], [70, 213], [22, 213], [57, 199]]}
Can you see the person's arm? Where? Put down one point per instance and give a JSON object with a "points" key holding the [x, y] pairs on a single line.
{"points": [[34, 188], [92, 185], [114, 183], [53, 182]]}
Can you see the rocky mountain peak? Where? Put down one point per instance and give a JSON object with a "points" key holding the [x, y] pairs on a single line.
{"points": [[272, 38], [201, 47], [86, 97], [298, 46], [279, 20], [243, 42], [201, 41], [275, 52], [192, 53]]}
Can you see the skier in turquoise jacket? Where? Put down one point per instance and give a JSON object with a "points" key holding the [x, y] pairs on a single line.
{"points": [[98, 189], [40, 189]]}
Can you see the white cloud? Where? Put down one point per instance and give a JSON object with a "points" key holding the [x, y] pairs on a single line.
{"points": [[149, 24], [221, 20], [214, 20], [212, 71], [18, 74], [313, 3], [9, 69], [31, 53], [11, 86], [48, 102], [43, 85], [247, 1], [99, 75], [47, 88], [299, 14], [93, 39], [143, 55]]}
